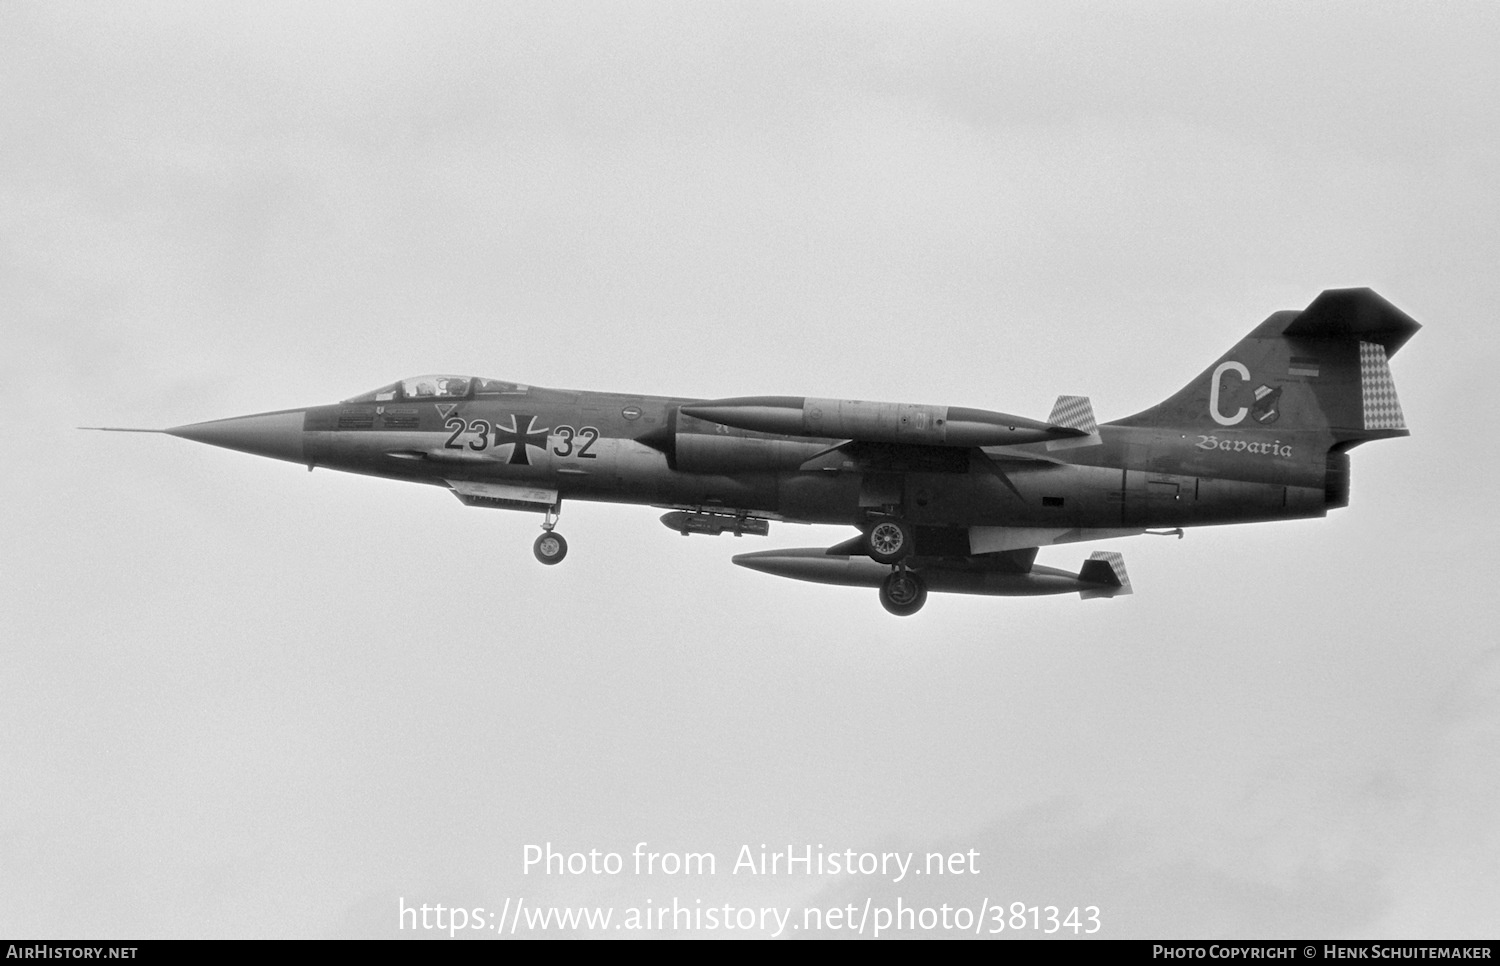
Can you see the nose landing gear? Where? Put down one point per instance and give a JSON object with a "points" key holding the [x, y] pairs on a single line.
{"points": [[550, 548]]}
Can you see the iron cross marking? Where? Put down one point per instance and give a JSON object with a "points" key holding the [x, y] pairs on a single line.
{"points": [[530, 436]]}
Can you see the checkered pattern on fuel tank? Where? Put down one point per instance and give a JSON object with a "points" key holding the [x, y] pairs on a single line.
{"points": [[1382, 408], [1116, 563]]}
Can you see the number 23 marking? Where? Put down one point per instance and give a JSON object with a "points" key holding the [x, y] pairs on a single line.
{"points": [[479, 426]]}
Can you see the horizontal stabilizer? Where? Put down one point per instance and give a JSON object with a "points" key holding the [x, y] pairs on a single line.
{"points": [[1342, 313]]}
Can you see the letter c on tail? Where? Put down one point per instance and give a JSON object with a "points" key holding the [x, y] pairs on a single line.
{"points": [[1213, 393]]}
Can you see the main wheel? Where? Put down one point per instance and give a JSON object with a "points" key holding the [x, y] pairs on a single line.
{"points": [[903, 593], [888, 541], [550, 548]]}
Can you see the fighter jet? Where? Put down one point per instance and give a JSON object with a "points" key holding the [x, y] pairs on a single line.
{"points": [[944, 498]]}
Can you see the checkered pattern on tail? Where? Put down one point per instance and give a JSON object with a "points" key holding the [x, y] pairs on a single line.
{"points": [[1074, 412], [1382, 408]]}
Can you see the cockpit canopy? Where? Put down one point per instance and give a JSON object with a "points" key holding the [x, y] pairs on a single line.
{"points": [[440, 387]]}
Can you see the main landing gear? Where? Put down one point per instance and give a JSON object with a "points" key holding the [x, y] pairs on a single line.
{"points": [[903, 593], [891, 541], [550, 548]]}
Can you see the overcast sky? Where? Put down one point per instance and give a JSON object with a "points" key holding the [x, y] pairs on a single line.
{"points": [[239, 699]]}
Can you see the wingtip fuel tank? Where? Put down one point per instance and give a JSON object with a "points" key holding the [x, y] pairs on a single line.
{"points": [[1103, 575]]}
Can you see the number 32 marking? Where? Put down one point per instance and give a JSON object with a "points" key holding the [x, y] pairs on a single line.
{"points": [[566, 435]]}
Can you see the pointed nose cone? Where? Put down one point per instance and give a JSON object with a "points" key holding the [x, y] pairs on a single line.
{"points": [[277, 435]]}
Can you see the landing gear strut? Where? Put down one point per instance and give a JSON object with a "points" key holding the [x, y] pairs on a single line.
{"points": [[550, 548], [903, 593]]}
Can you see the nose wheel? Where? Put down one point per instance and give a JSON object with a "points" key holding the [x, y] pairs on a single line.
{"points": [[903, 593], [550, 548]]}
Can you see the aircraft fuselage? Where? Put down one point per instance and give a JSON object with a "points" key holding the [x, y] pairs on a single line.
{"points": [[641, 449], [951, 498]]}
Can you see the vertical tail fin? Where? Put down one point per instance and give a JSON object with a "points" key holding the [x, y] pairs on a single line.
{"points": [[1322, 369]]}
